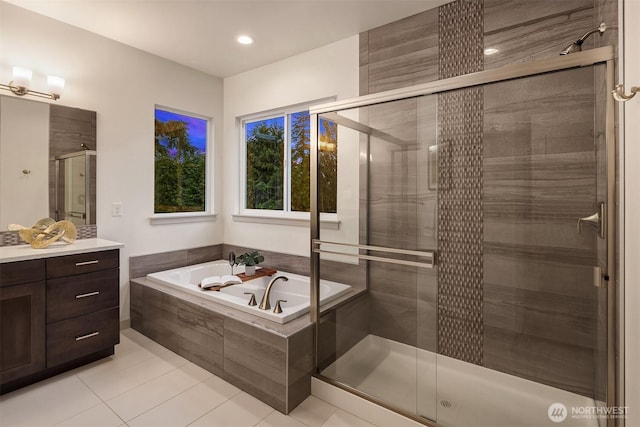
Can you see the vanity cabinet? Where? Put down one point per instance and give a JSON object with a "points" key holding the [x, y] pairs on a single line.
{"points": [[57, 313], [82, 305], [22, 319]]}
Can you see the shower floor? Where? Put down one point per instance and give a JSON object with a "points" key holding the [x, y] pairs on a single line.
{"points": [[457, 393]]}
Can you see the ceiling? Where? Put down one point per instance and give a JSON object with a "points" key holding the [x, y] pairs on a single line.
{"points": [[201, 33]]}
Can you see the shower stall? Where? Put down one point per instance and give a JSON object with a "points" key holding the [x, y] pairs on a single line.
{"points": [[75, 187], [478, 228]]}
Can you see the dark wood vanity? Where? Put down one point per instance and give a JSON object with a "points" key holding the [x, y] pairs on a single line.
{"points": [[57, 313]]}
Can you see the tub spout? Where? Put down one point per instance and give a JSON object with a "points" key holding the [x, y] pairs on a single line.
{"points": [[264, 304]]}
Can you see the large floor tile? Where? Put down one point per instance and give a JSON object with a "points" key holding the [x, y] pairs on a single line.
{"points": [[150, 394], [313, 412], [188, 406], [276, 419], [98, 416], [344, 419], [109, 384], [127, 354], [144, 341], [47, 402], [240, 411]]}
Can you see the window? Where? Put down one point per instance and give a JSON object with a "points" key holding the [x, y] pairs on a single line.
{"points": [[277, 163], [181, 146]]}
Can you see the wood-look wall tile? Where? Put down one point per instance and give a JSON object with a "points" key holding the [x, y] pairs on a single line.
{"points": [[566, 367], [255, 361], [204, 254], [539, 37], [504, 267], [200, 337], [393, 317], [501, 14], [427, 310], [513, 229], [160, 314], [354, 275], [555, 116], [136, 306], [280, 261], [393, 279], [606, 11], [140, 266], [559, 319], [558, 186], [352, 323], [404, 53], [299, 367], [327, 339]]}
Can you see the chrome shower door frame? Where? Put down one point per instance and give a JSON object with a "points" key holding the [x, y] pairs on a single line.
{"points": [[604, 55]]}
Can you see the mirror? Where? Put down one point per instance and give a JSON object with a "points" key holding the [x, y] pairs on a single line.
{"points": [[47, 162]]}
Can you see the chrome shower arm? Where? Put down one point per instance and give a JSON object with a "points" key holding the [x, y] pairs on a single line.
{"points": [[601, 29]]}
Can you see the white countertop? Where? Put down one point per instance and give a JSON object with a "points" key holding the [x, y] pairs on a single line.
{"points": [[26, 252]]}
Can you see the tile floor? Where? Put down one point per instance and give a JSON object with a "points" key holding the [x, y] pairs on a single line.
{"points": [[144, 384]]}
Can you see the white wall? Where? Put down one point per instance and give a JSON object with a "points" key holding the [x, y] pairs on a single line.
{"points": [[632, 211], [330, 71], [122, 85]]}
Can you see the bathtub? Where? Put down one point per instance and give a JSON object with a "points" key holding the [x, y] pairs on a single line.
{"points": [[295, 291]]}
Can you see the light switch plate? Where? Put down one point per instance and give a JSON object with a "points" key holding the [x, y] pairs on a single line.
{"points": [[116, 209]]}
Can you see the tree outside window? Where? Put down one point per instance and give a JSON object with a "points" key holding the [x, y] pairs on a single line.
{"points": [[181, 143], [277, 163]]}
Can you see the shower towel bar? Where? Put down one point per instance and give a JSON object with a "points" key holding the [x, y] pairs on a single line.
{"points": [[424, 264]]}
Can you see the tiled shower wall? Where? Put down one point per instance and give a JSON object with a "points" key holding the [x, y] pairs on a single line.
{"points": [[513, 286]]}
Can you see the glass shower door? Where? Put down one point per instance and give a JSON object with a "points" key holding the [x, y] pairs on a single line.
{"points": [[476, 232], [383, 342], [539, 307]]}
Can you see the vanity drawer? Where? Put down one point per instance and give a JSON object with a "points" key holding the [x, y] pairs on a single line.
{"points": [[81, 336], [14, 273], [82, 294], [71, 265]]}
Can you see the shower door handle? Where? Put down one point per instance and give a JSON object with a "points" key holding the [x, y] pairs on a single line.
{"points": [[597, 220]]}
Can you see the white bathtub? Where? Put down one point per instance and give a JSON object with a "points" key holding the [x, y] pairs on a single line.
{"points": [[295, 291]]}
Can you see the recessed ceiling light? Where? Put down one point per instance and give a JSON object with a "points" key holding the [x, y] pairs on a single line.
{"points": [[243, 39], [490, 51]]}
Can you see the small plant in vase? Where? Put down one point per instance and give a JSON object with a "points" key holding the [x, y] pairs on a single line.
{"points": [[249, 260]]}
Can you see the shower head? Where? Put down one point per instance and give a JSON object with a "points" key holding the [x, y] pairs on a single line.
{"points": [[577, 45]]}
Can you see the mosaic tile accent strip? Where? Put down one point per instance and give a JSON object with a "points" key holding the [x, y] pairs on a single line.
{"points": [[11, 238], [460, 186], [461, 38]]}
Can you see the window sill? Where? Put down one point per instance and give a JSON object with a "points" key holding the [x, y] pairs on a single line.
{"points": [[283, 219], [180, 218]]}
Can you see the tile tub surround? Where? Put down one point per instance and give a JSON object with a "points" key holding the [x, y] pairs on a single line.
{"points": [[272, 362]]}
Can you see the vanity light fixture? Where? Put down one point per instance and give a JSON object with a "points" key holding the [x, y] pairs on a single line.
{"points": [[22, 80], [244, 39]]}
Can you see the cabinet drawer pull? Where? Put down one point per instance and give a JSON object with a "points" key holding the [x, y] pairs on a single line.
{"points": [[84, 337], [88, 294], [95, 261]]}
